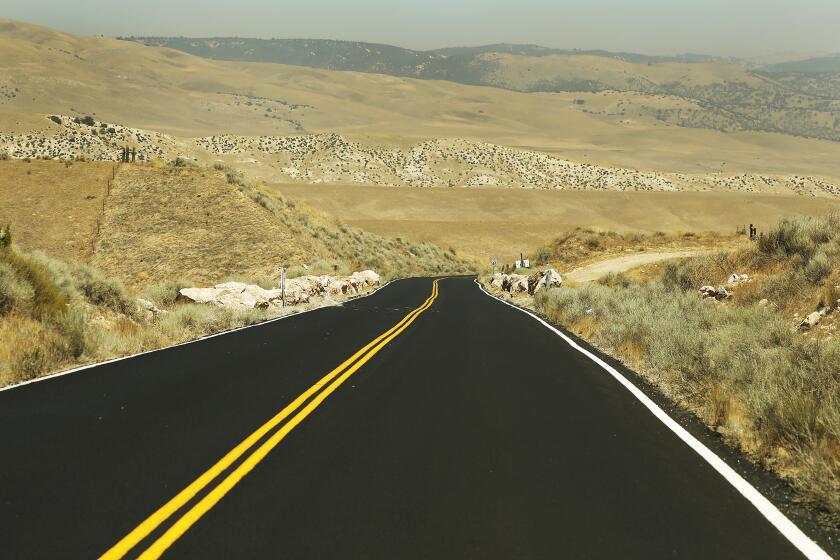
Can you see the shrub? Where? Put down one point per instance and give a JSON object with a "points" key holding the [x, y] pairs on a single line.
{"points": [[164, 294], [47, 299], [818, 267], [4, 155], [13, 292], [5, 236], [73, 327], [56, 119]]}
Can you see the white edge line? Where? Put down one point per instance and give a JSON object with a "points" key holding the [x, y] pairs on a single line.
{"points": [[205, 337], [786, 527]]}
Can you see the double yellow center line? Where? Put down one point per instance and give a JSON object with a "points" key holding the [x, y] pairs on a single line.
{"points": [[331, 381]]}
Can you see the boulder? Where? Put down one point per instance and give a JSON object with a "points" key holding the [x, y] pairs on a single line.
{"points": [[369, 277], [812, 320], [735, 278], [514, 283], [546, 279], [496, 282], [707, 292], [721, 293]]}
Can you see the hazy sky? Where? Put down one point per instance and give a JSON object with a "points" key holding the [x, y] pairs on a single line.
{"points": [[719, 27]]}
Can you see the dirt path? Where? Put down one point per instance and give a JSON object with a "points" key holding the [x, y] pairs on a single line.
{"points": [[623, 263]]}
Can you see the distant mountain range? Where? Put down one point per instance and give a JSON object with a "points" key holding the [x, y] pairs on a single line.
{"points": [[724, 94], [820, 65], [457, 64]]}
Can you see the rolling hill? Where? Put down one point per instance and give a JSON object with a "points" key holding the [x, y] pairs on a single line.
{"points": [[163, 90], [728, 96]]}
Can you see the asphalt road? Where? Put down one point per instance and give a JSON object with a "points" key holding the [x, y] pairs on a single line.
{"points": [[474, 433]]}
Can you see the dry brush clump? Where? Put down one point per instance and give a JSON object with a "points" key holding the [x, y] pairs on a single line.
{"points": [[743, 368], [55, 314]]}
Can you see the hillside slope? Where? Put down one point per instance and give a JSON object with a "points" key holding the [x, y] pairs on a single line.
{"points": [[731, 98], [45, 72], [166, 222]]}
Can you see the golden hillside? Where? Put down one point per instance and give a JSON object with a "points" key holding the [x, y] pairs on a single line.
{"points": [[165, 90], [165, 222]]}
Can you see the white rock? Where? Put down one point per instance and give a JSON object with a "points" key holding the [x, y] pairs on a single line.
{"points": [[707, 291], [548, 278], [369, 277], [514, 283], [298, 290], [810, 321]]}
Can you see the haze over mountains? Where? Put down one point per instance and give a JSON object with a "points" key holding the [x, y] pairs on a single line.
{"points": [[731, 94]]}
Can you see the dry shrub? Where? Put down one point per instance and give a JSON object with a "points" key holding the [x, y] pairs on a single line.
{"points": [[30, 348], [830, 294], [47, 300]]}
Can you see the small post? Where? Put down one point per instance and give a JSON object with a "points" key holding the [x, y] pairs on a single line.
{"points": [[493, 262], [283, 285]]}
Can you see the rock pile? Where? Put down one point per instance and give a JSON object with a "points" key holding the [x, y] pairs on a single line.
{"points": [[236, 295], [710, 292], [519, 283]]}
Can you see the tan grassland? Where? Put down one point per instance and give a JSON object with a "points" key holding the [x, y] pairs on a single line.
{"points": [[487, 221], [169, 91]]}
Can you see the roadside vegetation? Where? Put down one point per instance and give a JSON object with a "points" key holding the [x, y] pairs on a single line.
{"points": [[743, 364], [56, 314]]}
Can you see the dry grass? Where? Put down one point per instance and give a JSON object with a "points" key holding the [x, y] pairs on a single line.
{"points": [[486, 222], [165, 223], [741, 367], [52, 207], [55, 314]]}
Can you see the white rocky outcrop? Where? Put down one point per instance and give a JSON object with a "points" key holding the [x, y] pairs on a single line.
{"points": [[236, 295], [514, 283], [810, 321], [548, 278], [518, 283]]}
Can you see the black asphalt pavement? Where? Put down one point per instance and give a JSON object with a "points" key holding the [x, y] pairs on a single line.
{"points": [[476, 433]]}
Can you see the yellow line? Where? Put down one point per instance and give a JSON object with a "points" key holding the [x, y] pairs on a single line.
{"points": [[131, 540], [212, 498]]}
